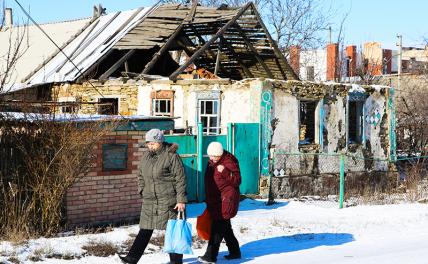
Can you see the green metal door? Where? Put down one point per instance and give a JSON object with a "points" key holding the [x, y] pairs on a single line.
{"points": [[242, 140], [246, 148], [187, 152]]}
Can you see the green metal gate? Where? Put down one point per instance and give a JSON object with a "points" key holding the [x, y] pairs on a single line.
{"points": [[242, 140], [246, 148]]}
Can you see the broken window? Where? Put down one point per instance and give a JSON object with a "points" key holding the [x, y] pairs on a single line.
{"points": [[108, 106], [68, 105], [209, 116], [310, 73], [115, 157], [162, 103], [307, 122], [355, 122]]}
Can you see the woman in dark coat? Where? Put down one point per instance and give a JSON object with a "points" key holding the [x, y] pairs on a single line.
{"points": [[222, 180], [162, 185]]}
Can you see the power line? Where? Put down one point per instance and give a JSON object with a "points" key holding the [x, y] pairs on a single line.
{"points": [[56, 45], [62, 51]]}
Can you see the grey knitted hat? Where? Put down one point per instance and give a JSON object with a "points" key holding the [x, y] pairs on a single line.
{"points": [[154, 135]]}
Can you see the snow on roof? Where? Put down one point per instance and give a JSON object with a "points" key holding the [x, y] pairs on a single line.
{"points": [[32, 117], [85, 49], [355, 88], [36, 47]]}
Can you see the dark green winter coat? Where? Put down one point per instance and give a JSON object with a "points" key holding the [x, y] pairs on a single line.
{"points": [[162, 184]]}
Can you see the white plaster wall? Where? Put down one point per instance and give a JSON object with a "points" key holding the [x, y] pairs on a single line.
{"points": [[317, 59], [285, 108], [374, 102], [236, 106], [143, 107], [191, 108], [178, 107], [335, 124]]}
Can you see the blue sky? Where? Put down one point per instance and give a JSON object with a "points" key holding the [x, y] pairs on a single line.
{"points": [[368, 20]]}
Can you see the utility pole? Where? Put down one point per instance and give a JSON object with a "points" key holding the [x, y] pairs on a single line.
{"points": [[329, 34], [400, 57]]}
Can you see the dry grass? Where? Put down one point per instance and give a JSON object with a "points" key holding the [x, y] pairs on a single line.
{"points": [[128, 244], [14, 260], [100, 248], [158, 241], [198, 243], [243, 229]]}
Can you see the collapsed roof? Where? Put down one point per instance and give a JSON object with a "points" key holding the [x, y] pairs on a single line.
{"points": [[230, 42]]}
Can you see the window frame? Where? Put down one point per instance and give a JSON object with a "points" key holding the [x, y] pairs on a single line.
{"points": [[109, 146], [155, 102], [74, 108], [313, 127], [162, 95], [208, 128], [359, 99], [99, 110]]}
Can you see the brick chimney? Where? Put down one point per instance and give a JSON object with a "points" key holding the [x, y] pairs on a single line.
{"points": [[351, 56], [332, 61], [295, 59]]}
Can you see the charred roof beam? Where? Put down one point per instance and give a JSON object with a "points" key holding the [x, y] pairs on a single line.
{"points": [[235, 55], [171, 39], [277, 52], [253, 50], [116, 66], [220, 32], [210, 51]]}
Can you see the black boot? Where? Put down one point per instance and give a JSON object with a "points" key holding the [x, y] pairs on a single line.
{"points": [[137, 249], [175, 258], [128, 259], [233, 256]]}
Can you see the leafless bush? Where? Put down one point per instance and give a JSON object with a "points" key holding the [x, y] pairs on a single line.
{"points": [[42, 157], [100, 248]]}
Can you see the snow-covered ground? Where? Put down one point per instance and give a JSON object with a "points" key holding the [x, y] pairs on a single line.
{"points": [[287, 232]]}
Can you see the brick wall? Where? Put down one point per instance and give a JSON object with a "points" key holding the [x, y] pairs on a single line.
{"points": [[104, 197]]}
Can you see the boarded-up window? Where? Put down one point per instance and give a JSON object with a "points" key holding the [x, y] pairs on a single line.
{"points": [[115, 157], [162, 103], [307, 122], [108, 106]]}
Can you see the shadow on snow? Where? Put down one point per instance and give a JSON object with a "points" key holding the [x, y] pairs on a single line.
{"points": [[284, 244], [193, 210]]}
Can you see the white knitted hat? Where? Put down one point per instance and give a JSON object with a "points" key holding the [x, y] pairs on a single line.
{"points": [[215, 149]]}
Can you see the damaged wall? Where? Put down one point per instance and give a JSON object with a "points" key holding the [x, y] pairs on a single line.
{"points": [[125, 90], [239, 101], [314, 170]]}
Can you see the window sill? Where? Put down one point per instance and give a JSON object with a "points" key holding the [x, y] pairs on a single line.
{"points": [[309, 148], [353, 147]]}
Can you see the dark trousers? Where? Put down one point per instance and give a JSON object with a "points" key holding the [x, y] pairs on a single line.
{"points": [[221, 229], [141, 242]]}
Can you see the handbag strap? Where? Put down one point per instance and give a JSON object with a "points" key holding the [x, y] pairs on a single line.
{"points": [[181, 215]]}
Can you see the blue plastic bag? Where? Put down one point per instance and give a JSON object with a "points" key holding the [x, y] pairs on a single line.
{"points": [[178, 236]]}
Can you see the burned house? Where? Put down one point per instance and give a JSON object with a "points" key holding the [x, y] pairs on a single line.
{"points": [[214, 66]]}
